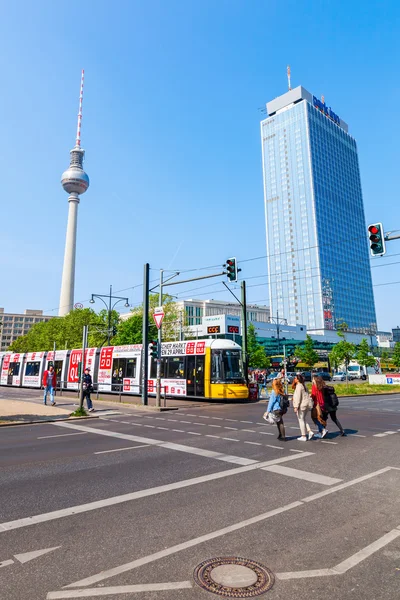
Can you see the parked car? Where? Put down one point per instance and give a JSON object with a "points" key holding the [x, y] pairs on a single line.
{"points": [[307, 375], [339, 376], [324, 375], [272, 376]]}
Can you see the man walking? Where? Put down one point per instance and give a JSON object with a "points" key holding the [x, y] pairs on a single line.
{"points": [[87, 389], [49, 384]]}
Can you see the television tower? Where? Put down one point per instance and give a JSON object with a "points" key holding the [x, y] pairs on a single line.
{"points": [[74, 181]]}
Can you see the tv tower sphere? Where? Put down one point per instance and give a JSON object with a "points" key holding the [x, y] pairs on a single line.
{"points": [[75, 182]]}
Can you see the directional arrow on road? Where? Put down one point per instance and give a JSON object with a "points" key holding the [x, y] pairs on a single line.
{"points": [[27, 556]]}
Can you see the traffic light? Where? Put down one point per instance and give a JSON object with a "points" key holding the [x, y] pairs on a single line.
{"points": [[232, 270], [376, 239], [154, 349]]}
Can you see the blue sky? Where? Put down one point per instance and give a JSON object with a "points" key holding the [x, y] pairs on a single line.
{"points": [[171, 131]]}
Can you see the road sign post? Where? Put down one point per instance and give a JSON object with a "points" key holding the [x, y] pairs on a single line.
{"points": [[158, 316]]}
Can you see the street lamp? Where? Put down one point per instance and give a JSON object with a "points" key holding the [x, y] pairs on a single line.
{"points": [[109, 308]]}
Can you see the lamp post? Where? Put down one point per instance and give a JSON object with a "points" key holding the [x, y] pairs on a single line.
{"points": [[108, 306]]}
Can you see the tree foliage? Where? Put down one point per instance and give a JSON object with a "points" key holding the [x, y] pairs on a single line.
{"points": [[257, 359], [306, 353], [343, 353], [66, 331], [130, 331], [396, 355], [364, 357]]}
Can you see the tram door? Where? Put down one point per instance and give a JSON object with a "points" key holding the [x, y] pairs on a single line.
{"points": [[195, 376], [13, 371], [58, 365], [123, 368]]}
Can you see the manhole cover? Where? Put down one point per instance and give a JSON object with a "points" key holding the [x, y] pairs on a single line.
{"points": [[233, 577]]}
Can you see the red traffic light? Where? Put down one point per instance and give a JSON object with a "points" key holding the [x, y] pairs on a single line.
{"points": [[373, 229]]}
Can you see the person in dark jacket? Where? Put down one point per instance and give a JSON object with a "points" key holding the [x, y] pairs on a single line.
{"points": [[87, 389], [328, 405]]}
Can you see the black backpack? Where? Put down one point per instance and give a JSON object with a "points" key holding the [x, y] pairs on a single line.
{"points": [[284, 403], [330, 398]]}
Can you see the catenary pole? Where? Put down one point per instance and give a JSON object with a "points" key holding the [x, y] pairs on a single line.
{"points": [[244, 331], [84, 344], [158, 382], [145, 348]]}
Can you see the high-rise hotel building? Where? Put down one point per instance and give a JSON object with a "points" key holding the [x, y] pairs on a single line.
{"points": [[317, 248]]}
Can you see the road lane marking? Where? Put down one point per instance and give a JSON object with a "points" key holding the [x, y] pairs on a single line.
{"points": [[249, 430], [233, 428], [293, 450], [219, 426], [305, 475], [384, 434], [6, 563], [347, 564], [276, 447], [230, 439], [218, 418], [213, 436], [220, 532], [82, 508], [326, 442], [161, 444], [27, 556], [179, 430], [265, 433], [356, 435], [193, 433], [246, 422], [46, 437], [120, 589], [121, 449], [254, 443]]}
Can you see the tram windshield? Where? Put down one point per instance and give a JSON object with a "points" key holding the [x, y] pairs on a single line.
{"points": [[227, 366]]}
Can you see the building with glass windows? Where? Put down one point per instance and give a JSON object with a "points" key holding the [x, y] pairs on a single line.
{"points": [[13, 325], [317, 248]]}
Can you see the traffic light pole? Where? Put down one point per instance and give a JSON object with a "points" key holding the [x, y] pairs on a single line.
{"points": [[244, 332], [145, 349], [158, 382]]}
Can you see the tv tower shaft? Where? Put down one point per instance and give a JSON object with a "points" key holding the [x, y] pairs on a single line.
{"points": [[74, 181]]}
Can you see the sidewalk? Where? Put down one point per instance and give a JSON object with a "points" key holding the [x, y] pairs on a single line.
{"points": [[20, 411]]}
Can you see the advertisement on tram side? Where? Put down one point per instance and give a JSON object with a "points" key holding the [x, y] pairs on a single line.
{"points": [[33, 369], [75, 359], [119, 369], [12, 369]]}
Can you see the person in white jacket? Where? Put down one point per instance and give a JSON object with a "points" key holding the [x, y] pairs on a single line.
{"points": [[302, 404]]}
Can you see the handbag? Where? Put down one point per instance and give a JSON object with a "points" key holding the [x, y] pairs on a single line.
{"points": [[273, 417]]}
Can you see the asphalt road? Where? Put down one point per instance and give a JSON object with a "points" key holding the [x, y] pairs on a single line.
{"points": [[127, 505]]}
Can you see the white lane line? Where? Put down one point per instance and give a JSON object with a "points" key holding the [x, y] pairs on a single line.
{"points": [[231, 420], [246, 422], [254, 443], [230, 439], [238, 460], [82, 508], [218, 418], [193, 433], [204, 417], [219, 426], [120, 589], [179, 430], [213, 436], [174, 420], [305, 475], [46, 437], [150, 426], [6, 563], [121, 449], [326, 442], [188, 422], [347, 564], [356, 435], [275, 447], [291, 427], [163, 428], [265, 433], [219, 533], [249, 430], [202, 424], [158, 418], [188, 415], [232, 428], [293, 450], [384, 434]]}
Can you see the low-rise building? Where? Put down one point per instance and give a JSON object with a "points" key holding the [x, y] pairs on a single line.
{"points": [[13, 325]]}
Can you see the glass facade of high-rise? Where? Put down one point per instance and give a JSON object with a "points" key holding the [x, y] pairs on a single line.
{"points": [[317, 250]]}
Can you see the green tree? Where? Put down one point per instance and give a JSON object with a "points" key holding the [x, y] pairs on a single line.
{"points": [[66, 331], [257, 359], [396, 355], [307, 354], [364, 357], [130, 331], [345, 352], [384, 355], [341, 328], [334, 359]]}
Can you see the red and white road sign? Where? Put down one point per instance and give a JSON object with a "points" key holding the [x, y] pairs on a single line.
{"points": [[158, 316]]}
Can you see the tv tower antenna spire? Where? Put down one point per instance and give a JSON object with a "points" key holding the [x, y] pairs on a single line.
{"points": [[75, 182], [288, 77]]}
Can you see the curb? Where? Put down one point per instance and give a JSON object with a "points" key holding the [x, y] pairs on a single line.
{"points": [[15, 423]]}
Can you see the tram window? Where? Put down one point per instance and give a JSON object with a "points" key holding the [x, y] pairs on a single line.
{"points": [[32, 369], [176, 367], [232, 364], [153, 368], [14, 369], [216, 374], [131, 368]]}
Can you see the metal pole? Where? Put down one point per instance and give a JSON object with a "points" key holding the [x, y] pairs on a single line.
{"points": [[109, 317], [54, 365], [285, 368], [278, 332], [244, 331], [158, 383], [85, 328], [145, 348]]}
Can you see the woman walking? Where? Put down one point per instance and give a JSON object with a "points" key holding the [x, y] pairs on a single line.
{"points": [[301, 405], [276, 401], [325, 403]]}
